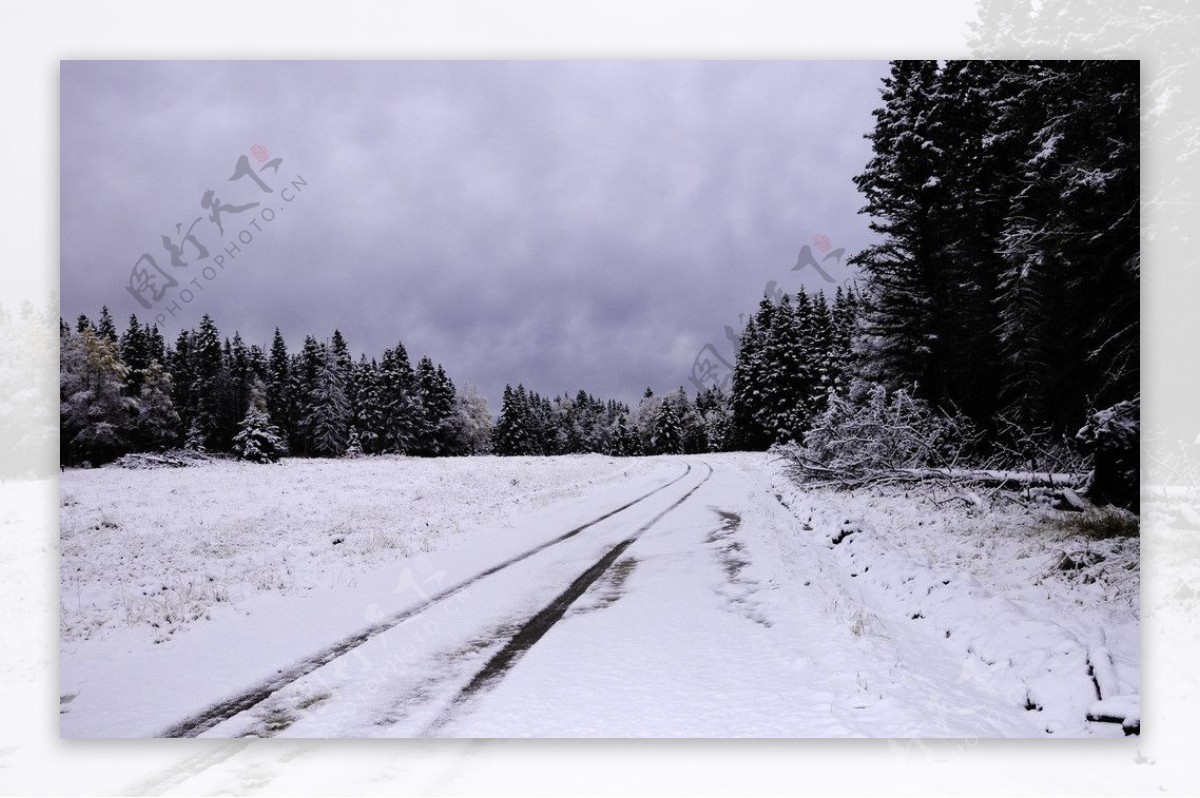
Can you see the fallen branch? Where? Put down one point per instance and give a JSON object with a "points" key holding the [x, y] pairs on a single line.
{"points": [[849, 478]]}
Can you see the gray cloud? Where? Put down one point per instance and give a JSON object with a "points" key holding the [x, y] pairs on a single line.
{"points": [[561, 224]]}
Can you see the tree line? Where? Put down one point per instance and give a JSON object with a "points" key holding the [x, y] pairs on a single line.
{"points": [[675, 423], [134, 392]]}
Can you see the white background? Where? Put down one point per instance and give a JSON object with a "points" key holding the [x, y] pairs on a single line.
{"points": [[35, 36]]}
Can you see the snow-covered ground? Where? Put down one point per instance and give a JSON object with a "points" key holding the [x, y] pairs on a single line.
{"points": [[158, 549], [745, 605]]}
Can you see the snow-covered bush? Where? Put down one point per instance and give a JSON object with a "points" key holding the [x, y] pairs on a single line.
{"points": [[886, 431]]}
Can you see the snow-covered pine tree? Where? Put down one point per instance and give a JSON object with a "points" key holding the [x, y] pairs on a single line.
{"points": [[512, 433], [207, 383], [621, 438], [237, 378], [784, 376], [279, 384], [1069, 328], [193, 441], [976, 180], [157, 424], [904, 276], [105, 328], [366, 415], [435, 392], [257, 439], [135, 352], [693, 433], [155, 346], [843, 323], [644, 419], [398, 404], [353, 444], [341, 354], [95, 415], [668, 431], [817, 352], [327, 424], [539, 421], [179, 364], [305, 369], [746, 431]]}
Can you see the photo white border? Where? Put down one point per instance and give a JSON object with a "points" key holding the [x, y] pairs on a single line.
{"points": [[35, 36]]}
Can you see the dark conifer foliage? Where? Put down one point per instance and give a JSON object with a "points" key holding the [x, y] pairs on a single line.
{"points": [[792, 355], [1006, 279]]}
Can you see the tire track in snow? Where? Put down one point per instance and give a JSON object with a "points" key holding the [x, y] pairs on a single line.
{"points": [[536, 627], [224, 710]]}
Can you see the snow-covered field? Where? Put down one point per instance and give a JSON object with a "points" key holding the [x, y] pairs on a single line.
{"points": [[158, 549], [745, 606]]}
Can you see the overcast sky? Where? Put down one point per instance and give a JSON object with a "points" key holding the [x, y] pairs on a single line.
{"points": [[562, 224]]}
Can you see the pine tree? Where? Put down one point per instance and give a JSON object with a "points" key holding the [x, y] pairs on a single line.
{"points": [[843, 323], [818, 352], [718, 420], [105, 328], [155, 346], [644, 421], [279, 383], [1069, 288], [353, 444], [785, 377], [693, 433], [366, 415], [258, 440], [327, 423], [511, 435], [752, 414], [306, 368], [157, 426], [207, 384], [905, 281], [194, 440], [341, 353], [135, 352], [435, 394], [95, 415], [620, 446], [668, 432], [397, 401], [179, 364]]}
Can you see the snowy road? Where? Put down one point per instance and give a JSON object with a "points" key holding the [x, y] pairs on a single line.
{"points": [[417, 672], [681, 603]]}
